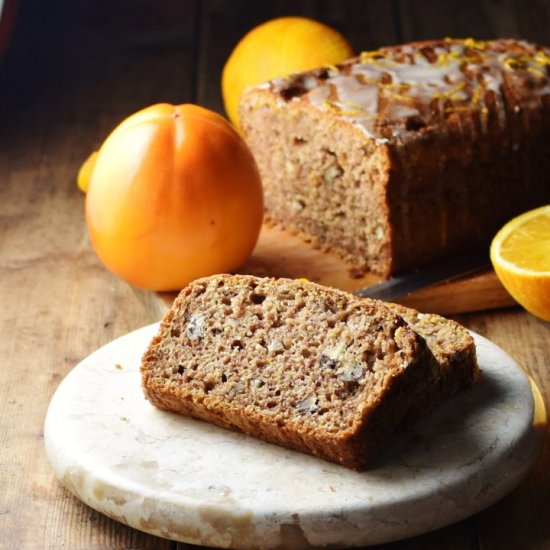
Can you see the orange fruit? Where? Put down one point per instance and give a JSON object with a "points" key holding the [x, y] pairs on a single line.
{"points": [[85, 172], [540, 418], [174, 195], [520, 253], [278, 48]]}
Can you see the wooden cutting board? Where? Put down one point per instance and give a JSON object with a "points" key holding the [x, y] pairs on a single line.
{"points": [[280, 254]]}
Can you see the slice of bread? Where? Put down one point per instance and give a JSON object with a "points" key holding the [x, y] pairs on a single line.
{"points": [[300, 365], [453, 349], [290, 362]]}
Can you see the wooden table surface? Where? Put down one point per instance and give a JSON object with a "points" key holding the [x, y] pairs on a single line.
{"points": [[73, 71]]}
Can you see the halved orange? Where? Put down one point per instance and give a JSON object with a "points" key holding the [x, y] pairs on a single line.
{"points": [[520, 253]]}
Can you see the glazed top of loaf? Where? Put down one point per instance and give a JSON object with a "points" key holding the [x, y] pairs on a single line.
{"points": [[398, 91]]}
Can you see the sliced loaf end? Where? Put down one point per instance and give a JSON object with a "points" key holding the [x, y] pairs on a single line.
{"points": [[453, 349]]}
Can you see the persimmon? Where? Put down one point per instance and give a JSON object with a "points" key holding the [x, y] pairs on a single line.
{"points": [[174, 195]]}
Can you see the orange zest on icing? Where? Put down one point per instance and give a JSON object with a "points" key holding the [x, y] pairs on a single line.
{"points": [[461, 75], [345, 108]]}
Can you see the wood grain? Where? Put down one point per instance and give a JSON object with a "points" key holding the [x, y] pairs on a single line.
{"points": [[73, 71]]}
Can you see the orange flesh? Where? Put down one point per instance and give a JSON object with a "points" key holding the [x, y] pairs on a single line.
{"points": [[528, 246]]}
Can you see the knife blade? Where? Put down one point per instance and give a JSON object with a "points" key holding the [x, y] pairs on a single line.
{"points": [[443, 271]]}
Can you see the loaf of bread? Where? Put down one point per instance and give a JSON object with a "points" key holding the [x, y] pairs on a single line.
{"points": [[300, 365], [407, 154]]}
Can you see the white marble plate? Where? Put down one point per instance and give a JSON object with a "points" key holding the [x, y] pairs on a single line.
{"points": [[189, 481]]}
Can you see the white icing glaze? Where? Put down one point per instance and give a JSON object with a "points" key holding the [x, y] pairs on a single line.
{"points": [[319, 95], [387, 87]]}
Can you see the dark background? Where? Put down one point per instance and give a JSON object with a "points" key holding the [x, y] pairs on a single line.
{"points": [[93, 62]]}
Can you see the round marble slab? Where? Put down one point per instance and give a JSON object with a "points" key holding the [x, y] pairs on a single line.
{"points": [[189, 481]]}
